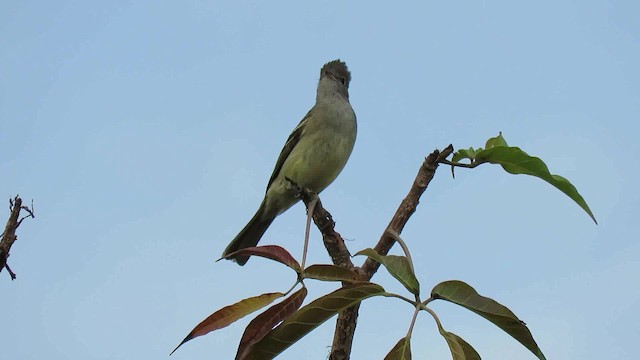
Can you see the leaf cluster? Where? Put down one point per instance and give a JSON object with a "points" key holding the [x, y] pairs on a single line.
{"points": [[287, 321]]}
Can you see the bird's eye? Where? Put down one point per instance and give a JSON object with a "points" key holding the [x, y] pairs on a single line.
{"points": [[343, 81]]}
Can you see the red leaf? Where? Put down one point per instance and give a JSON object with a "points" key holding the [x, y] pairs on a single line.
{"points": [[230, 314], [273, 252], [265, 322], [311, 316]]}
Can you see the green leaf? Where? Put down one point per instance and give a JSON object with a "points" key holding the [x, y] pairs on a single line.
{"points": [[311, 316], [330, 273], [398, 267], [402, 350], [462, 154], [460, 349], [263, 323], [496, 141], [229, 314], [515, 161], [464, 295]]}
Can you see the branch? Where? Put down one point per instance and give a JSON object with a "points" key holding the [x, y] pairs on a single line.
{"points": [[343, 336], [332, 240], [9, 234], [347, 319], [407, 208]]}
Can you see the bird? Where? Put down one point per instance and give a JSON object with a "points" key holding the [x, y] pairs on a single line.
{"points": [[313, 156]]}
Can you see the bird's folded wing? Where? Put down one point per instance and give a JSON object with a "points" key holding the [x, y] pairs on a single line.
{"points": [[291, 143]]}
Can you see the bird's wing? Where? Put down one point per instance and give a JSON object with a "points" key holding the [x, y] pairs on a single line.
{"points": [[291, 143]]}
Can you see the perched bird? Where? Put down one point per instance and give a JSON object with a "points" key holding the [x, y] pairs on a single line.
{"points": [[313, 156]]}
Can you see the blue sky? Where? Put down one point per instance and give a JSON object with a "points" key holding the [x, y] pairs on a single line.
{"points": [[145, 133]]}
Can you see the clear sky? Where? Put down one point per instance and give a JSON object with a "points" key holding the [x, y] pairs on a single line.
{"points": [[145, 133]]}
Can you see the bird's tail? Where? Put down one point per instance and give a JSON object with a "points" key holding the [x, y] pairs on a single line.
{"points": [[250, 235]]}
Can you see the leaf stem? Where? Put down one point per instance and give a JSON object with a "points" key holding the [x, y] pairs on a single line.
{"points": [[403, 245], [433, 314], [311, 207], [299, 281], [413, 320], [387, 294]]}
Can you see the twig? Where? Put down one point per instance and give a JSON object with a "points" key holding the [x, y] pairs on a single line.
{"points": [[11, 273], [9, 233], [456, 164], [407, 207], [29, 210]]}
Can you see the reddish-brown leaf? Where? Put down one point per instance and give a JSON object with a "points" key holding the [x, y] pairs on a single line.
{"points": [[273, 252], [230, 314], [311, 316], [263, 323]]}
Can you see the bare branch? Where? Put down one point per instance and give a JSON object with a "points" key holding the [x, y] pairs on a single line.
{"points": [[11, 273], [407, 207], [9, 233]]}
